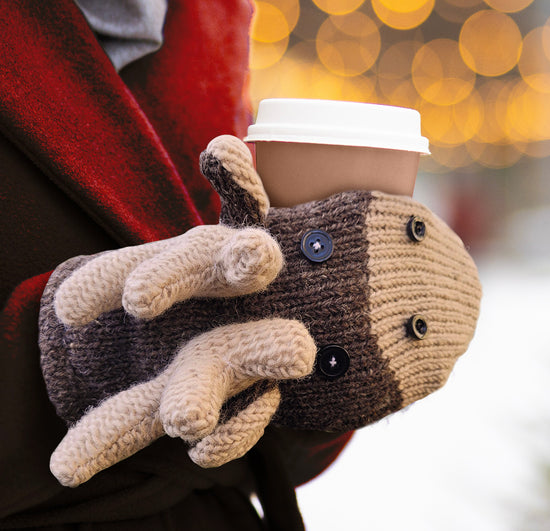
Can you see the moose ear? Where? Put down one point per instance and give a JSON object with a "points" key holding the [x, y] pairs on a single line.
{"points": [[227, 164]]}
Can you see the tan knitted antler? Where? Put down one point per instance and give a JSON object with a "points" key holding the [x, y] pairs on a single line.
{"points": [[186, 398], [207, 261]]}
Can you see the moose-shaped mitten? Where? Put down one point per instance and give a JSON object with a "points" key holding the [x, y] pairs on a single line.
{"points": [[325, 316]]}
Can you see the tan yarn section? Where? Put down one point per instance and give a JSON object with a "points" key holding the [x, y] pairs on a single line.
{"points": [[234, 438], [97, 287], [109, 433], [223, 362], [237, 160], [436, 278], [206, 261]]}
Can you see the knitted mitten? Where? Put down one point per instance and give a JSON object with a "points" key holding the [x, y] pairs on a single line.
{"points": [[324, 316]]}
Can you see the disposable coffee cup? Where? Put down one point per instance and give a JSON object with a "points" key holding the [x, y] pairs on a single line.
{"points": [[310, 149]]}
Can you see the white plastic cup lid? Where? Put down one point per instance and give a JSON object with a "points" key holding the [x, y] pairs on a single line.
{"points": [[341, 123]]}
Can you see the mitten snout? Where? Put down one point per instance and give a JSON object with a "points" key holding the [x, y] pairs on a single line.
{"points": [[424, 293]]}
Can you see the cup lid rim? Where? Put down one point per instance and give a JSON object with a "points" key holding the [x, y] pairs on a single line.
{"points": [[338, 123]]}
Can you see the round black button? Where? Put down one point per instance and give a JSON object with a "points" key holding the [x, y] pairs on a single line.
{"points": [[317, 245], [417, 327], [416, 229], [332, 361]]}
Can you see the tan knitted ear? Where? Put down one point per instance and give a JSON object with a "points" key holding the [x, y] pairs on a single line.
{"points": [[227, 164], [428, 274]]}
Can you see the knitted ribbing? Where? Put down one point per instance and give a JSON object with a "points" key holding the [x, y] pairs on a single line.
{"points": [[435, 278]]}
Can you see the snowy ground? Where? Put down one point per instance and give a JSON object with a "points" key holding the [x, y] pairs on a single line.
{"points": [[473, 456]]}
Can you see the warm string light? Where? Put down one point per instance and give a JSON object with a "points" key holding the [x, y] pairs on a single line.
{"points": [[484, 96]]}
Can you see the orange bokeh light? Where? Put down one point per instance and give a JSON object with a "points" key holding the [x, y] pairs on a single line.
{"points": [[452, 125], [527, 114], [266, 54], [508, 6], [490, 43], [534, 64], [491, 121], [399, 19], [494, 156], [494, 93], [348, 45], [448, 158], [455, 13], [269, 23], [403, 6], [439, 74], [338, 7]]}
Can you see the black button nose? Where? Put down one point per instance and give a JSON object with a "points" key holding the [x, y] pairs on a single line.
{"points": [[417, 326], [332, 361], [317, 245], [416, 229]]}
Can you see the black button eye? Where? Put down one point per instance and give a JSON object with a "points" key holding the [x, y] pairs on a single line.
{"points": [[416, 229], [332, 361], [316, 245], [417, 327]]}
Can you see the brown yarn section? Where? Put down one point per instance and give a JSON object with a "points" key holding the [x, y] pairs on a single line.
{"points": [[331, 299]]}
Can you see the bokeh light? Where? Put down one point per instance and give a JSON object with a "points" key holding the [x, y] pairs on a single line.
{"points": [[452, 125], [440, 75], [290, 10], [269, 23], [338, 7], [456, 13], [395, 65], [464, 3], [546, 38], [403, 95], [348, 45], [395, 17], [490, 43], [534, 64], [444, 158], [508, 6], [528, 114], [404, 6], [494, 93], [265, 54], [494, 156]]}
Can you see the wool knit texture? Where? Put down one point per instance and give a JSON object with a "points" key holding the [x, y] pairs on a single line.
{"points": [[360, 299]]}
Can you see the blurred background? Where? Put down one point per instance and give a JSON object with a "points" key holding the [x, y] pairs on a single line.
{"points": [[475, 455]]}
